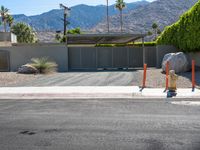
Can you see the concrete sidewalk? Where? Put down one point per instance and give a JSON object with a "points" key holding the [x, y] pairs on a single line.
{"points": [[90, 92]]}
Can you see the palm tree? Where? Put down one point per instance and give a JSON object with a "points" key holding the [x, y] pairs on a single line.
{"points": [[155, 29], [120, 5], [4, 13], [9, 20], [108, 17], [24, 33]]}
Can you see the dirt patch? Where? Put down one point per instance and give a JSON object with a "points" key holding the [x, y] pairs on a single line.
{"points": [[12, 78]]}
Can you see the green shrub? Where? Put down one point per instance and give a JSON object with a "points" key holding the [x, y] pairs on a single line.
{"points": [[24, 33], [126, 45], [145, 44], [74, 31], [44, 65], [184, 34]]}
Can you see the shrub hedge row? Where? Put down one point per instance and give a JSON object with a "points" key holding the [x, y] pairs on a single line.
{"points": [[185, 33], [139, 44]]}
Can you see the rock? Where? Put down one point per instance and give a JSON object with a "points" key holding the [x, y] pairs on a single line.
{"points": [[28, 69], [177, 62]]}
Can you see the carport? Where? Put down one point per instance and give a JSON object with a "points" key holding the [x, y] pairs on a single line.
{"points": [[83, 53]]}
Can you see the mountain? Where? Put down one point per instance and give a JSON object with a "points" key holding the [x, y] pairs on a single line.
{"points": [[83, 16], [163, 12]]}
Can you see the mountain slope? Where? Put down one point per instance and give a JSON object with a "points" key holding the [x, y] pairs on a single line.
{"points": [[163, 12], [82, 16]]}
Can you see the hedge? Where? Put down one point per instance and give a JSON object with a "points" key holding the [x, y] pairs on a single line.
{"points": [[185, 33], [139, 44]]}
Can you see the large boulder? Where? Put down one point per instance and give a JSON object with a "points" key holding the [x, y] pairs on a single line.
{"points": [[28, 69], [177, 62]]}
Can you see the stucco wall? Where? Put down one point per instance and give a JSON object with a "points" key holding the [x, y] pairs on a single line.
{"points": [[22, 54]]}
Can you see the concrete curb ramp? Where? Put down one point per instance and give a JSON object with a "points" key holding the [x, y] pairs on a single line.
{"points": [[90, 92]]}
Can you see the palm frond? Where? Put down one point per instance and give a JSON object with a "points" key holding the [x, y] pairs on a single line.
{"points": [[44, 65]]}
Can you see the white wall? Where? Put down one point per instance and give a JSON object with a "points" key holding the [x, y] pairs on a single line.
{"points": [[21, 54]]}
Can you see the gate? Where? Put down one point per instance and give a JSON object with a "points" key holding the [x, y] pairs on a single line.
{"points": [[4, 61], [93, 58]]}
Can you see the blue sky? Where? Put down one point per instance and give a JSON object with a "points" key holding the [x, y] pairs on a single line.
{"points": [[33, 7]]}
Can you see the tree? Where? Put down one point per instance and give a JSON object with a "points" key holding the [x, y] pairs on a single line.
{"points": [[74, 31], [149, 33], [24, 33], [62, 39], [58, 37], [120, 5], [155, 29], [4, 12], [9, 20]]}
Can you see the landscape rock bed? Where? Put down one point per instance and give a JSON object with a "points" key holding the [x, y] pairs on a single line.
{"points": [[12, 78]]}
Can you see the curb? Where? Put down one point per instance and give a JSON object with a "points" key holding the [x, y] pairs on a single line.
{"points": [[91, 96], [123, 92]]}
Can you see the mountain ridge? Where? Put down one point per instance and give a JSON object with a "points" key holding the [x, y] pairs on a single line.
{"points": [[163, 12], [83, 16]]}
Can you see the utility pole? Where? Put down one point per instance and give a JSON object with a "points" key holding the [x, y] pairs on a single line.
{"points": [[66, 10], [108, 17]]}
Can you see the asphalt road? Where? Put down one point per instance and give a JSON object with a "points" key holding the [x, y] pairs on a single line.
{"points": [[98, 125]]}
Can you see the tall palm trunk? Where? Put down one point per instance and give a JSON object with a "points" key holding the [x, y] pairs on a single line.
{"points": [[4, 22], [108, 18], [121, 20], [155, 32]]}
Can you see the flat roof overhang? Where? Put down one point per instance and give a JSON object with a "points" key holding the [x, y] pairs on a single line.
{"points": [[103, 38]]}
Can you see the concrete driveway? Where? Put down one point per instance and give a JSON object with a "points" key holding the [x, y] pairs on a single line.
{"points": [[98, 125], [102, 78], [155, 79]]}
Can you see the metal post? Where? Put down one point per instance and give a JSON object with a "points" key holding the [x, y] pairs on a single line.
{"points": [[144, 54], [66, 9], [144, 76], [65, 24], [193, 75], [167, 76]]}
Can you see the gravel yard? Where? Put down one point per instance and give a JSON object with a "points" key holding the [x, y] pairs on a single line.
{"points": [[101, 78], [12, 78]]}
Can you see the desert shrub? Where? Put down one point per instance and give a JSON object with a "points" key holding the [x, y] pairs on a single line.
{"points": [[184, 34], [44, 65]]}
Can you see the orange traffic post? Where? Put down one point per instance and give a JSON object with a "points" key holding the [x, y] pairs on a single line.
{"points": [[193, 75], [167, 76], [144, 76]]}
